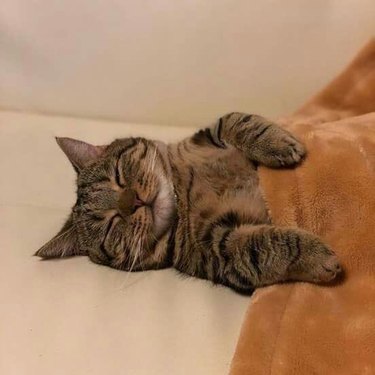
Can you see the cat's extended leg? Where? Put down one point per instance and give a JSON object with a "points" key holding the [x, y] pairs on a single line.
{"points": [[248, 256], [260, 139]]}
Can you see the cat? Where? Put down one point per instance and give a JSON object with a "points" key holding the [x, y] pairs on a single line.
{"points": [[195, 205]]}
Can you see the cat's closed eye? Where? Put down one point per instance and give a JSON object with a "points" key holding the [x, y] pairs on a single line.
{"points": [[118, 175]]}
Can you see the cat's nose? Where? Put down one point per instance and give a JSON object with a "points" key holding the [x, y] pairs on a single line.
{"points": [[138, 202], [128, 202]]}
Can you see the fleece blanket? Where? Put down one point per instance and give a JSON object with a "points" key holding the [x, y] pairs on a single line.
{"points": [[308, 329]]}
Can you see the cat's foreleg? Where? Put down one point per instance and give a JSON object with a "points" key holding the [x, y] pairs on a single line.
{"points": [[256, 255], [261, 140]]}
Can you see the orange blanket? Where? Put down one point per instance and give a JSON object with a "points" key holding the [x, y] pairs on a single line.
{"points": [[307, 329]]}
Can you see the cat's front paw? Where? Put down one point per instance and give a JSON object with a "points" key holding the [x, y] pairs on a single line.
{"points": [[328, 270], [288, 152], [315, 262], [281, 150]]}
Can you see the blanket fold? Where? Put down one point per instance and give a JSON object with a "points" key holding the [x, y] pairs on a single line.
{"points": [[307, 329]]}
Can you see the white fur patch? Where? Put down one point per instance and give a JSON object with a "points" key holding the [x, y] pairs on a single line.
{"points": [[164, 207]]}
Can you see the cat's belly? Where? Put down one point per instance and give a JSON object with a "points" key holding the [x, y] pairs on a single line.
{"points": [[230, 182]]}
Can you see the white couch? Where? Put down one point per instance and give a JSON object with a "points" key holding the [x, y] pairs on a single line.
{"points": [[180, 64]]}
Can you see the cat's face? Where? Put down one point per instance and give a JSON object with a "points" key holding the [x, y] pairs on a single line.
{"points": [[125, 203]]}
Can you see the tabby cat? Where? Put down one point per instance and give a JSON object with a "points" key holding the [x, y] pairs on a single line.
{"points": [[195, 206]]}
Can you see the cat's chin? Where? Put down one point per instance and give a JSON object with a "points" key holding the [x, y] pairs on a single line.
{"points": [[163, 208]]}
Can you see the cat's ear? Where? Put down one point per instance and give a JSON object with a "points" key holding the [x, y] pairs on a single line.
{"points": [[64, 244], [79, 153]]}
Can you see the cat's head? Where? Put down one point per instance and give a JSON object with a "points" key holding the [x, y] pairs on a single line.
{"points": [[125, 203]]}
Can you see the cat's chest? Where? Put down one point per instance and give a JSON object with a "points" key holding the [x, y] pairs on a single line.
{"points": [[228, 172], [217, 183]]}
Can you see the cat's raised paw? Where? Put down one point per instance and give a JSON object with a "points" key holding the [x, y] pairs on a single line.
{"points": [[278, 149], [286, 152]]}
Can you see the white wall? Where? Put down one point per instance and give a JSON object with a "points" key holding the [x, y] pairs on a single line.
{"points": [[176, 61]]}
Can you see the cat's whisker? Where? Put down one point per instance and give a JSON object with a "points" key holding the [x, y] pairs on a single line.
{"points": [[137, 247], [153, 161], [129, 271]]}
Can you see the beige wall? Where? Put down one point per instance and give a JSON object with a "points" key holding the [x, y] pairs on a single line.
{"points": [[174, 62]]}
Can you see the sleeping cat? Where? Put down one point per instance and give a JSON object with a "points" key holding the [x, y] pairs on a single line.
{"points": [[195, 206]]}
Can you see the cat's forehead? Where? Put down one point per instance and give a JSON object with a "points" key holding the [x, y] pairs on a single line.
{"points": [[103, 166], [121, 144]]}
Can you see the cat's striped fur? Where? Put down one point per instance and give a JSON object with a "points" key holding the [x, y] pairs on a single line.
{"points": [[195, 205]]}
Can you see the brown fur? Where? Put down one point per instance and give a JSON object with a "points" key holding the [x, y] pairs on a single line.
{"points": [[195, 205]]}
